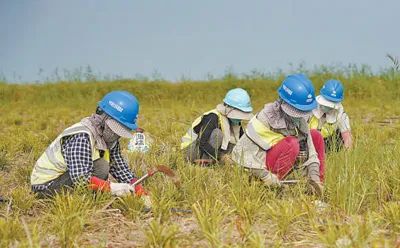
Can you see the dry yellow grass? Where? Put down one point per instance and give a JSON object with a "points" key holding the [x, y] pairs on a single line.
{"points": [[362, 186]]}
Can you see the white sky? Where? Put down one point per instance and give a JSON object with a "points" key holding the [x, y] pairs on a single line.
{"points": [[192, 38]]}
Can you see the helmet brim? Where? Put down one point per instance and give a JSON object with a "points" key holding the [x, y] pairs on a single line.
{"points": [[305, 108], [325, 102], [119, 129], [129, 126], [247, 109], [335, 100], [295, 112], [234, 113]]}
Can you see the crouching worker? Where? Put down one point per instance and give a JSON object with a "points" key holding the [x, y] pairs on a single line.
{"points": [[330, 119], [213, 135], [89, 151], [278, 137]]}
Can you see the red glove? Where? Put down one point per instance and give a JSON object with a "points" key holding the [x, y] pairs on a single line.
{"points": [[96, 183], [139, 190]]}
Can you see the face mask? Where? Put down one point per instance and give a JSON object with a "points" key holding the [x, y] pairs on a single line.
{"points": [[325, 109], [109, 137], [235, 122]]}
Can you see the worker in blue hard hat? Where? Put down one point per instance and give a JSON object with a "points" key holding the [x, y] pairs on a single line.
{"points": [[213, 135], [88, 151], [329, 117], [278, 137]]}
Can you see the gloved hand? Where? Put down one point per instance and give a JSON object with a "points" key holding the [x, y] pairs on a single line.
{"points": [[316, 188], [271, 179], [226, 159], [311, 171], [121, 189], [139, 190], [142, 193]]}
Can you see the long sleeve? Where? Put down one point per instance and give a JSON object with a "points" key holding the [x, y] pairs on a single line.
{"points": [[77, 153], [312, 164], [347, 139], [119, 169], [344, 123]]}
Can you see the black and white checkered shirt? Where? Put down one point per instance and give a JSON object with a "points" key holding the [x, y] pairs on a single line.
{"points": [[77, 152]]}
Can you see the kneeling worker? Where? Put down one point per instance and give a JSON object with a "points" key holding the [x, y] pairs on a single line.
{"points": [[278, 137], [213, 135], [330, 119], [89, 151]]}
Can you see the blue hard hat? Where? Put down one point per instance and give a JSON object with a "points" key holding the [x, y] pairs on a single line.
{"points": [[122, 106], [298, 91], [332, 90], [238, 98]]}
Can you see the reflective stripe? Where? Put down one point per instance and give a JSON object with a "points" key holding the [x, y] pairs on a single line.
{"points": [[262, 135], [313, 123], [51, 156], [42, 173], [191, 136], [326, 129], [106, 156], [51, 163], [48, 170]]}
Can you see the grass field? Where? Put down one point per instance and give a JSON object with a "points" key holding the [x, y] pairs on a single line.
{"points": [[228, 210]]}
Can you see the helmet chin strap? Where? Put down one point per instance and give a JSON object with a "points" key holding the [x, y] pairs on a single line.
{"points": [[227, 109], [280, 101]]}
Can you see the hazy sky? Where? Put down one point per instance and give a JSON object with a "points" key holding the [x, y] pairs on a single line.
{"points": [[192, 38]]}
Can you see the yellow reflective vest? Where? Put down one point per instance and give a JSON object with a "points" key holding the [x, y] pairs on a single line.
{"points": [[51, 163], [191, 135], [326, 129], [262, 135]]}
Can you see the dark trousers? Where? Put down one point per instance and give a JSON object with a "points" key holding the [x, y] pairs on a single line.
{"points": [[193, 152], [101, 169]]}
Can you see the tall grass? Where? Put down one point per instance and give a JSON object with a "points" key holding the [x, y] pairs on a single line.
{"points": [[68, 216], [216, 206]]}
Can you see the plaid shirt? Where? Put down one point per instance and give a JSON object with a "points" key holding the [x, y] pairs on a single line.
{"points": [[77, 152]]}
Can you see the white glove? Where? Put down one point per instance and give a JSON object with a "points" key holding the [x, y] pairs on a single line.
{"points": [[271, 179], [121, 189]]}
